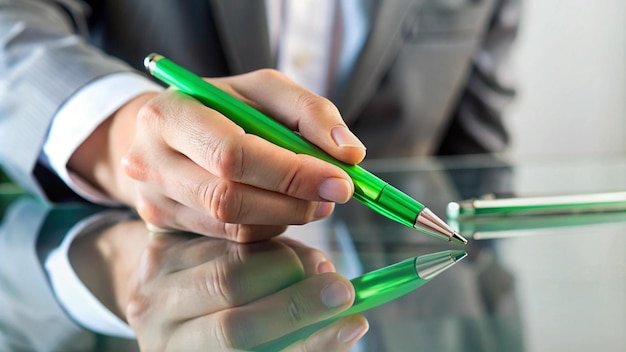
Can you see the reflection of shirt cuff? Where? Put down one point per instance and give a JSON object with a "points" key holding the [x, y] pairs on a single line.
{"points": [[80, 116], [79, 303]]}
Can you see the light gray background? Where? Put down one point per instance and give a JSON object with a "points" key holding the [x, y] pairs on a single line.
{"points": [[570, 61]]}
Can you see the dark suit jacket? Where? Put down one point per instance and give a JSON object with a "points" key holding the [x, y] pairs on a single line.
{"points": [[430, 78]]}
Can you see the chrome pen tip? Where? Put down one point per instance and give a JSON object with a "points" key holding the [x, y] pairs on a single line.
{"points": [[429, 222], [428, 266], [458, 255], [149, 62], [456, 237]]}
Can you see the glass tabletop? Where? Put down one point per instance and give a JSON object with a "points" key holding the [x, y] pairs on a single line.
{"points": [[527, 284]]}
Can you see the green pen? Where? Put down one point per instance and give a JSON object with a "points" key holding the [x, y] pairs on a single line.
{"points": [[379, 287], [383, 285], [368, 188], [557, 204]]}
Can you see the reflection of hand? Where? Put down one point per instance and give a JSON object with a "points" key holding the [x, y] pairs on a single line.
{"points": [[197, 171], [184, 292]]}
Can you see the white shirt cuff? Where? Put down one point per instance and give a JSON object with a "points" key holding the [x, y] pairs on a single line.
{"points": [[80, 116], [75, 298]]}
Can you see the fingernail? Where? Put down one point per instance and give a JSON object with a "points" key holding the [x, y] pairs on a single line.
{"points": [[335, 190], [324, 209], [325, 267], [352, 332], [336, 294], [344, 138]]}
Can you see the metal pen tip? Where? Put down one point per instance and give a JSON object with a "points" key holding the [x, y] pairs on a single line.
{"points": [[428, 266], [428, 221], [150, 61], [456, 237], [458, 255]]}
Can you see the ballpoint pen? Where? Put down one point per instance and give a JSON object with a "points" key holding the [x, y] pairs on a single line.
{"points": [[557, 204], [368, 188], [383, 285], [379, 287]]}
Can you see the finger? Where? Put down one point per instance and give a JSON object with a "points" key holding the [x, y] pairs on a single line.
{"points": [[223, 149], [168, 214], [182, 251], [240, 275], [315, 117], [225, 201], [313, 260], [161, 256], [172, 252], [200, 223], [312, 300], [339, 336]]}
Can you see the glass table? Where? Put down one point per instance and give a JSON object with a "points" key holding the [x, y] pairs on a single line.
{"points": [[541, 284]]}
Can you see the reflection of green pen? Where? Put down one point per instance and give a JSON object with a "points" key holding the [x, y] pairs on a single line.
{"points": [[386, 284], [379, 287], [483, 228], [369, 189]]}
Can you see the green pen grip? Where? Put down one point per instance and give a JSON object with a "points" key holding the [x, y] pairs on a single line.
{"points": [[368, 188]]}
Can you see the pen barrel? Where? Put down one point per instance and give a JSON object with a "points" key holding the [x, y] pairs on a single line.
{"points": [[560, 204], [384, 285], [368, 188], [379, 287], [372, 289]]}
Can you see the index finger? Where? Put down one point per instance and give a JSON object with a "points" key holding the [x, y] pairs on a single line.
{"points": [[313, 116]]}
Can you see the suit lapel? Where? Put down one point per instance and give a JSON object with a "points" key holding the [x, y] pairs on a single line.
{"points": [[242, 27], [387, 19]]}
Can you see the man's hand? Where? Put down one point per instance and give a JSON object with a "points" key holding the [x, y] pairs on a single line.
{"points": [[185, 292], [187, 167]]}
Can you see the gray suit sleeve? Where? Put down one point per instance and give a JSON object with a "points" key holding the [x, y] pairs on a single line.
{"points": [[32, 319], [43, 61]]}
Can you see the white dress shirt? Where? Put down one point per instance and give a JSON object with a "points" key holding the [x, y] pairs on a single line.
{"points": [[67, 131], [79, 303], [304, 48]]}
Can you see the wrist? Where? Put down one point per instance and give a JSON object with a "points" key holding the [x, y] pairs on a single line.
{"points": [[105, 262], [98, 158]]}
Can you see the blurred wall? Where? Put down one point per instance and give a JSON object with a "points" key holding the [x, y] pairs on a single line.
{"points": [[570, 61]]}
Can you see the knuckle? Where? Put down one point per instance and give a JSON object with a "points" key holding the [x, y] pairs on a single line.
{"points": [[135, 166], [309, 104], [270, 74], [296, 311], [221, 284], [238, 233], [223, 201], [150, 212], [233, 332], [229, 159], [150, 112], [137, 308], [292, 182]]}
